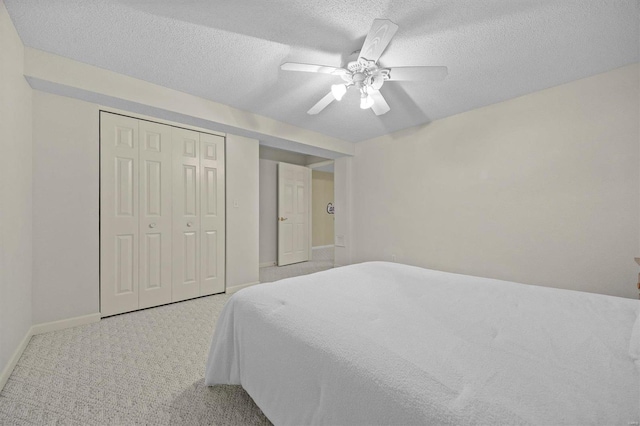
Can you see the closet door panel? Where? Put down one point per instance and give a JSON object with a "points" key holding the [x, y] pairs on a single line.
{"points": [[155, 214], [212, 215], [119, 237], [186, 214]]}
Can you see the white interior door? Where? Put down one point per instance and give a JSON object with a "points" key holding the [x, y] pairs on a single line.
{"points": [[155, 214], [294, 214], [186, 214], [119, 237], [212, 209]]}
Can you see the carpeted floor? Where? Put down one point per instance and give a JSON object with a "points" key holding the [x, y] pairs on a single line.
{"points": [[144, 367]]}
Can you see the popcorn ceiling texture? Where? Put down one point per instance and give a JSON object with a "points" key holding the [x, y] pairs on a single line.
{"points": [[145, 367], [230, 52]]}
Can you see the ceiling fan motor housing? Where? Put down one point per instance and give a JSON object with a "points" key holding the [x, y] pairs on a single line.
{"points": [[365, 73]]}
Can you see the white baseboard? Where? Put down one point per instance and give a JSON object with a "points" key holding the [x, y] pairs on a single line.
{"points": [[8, 369], [46, 327], [39, 329], [235, 288], [275, 263]]}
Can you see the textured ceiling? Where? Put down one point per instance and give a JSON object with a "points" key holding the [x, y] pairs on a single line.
{"points": [[230, 51]]}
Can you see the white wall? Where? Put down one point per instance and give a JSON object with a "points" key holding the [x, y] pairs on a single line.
{"points": [[243, 220], [65, 201], [268, 211], [542, 189], [66, 183], [56, 74], [15, 195], [273, 154]]}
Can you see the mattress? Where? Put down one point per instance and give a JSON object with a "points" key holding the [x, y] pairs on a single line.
{"points": [[385, 343]]}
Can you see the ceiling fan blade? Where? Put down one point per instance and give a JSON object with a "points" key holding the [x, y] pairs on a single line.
{"points": [[378, 39], [380, 106], [294, 66], [418, 73], [322, 104]]}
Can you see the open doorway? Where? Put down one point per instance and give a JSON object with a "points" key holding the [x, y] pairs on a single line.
{"points": [[320, 231], [322, 212]]}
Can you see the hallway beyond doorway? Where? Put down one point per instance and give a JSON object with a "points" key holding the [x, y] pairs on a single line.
{"points": [[321, 259]]}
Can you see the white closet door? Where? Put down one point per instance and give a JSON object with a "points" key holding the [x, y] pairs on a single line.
{"points": [[212, 209], [155, 214], [119, 236], [186, 214]]}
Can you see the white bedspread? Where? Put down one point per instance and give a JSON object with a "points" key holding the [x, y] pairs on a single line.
{"points": [[384, 343]]}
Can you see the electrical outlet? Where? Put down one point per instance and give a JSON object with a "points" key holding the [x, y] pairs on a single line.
{"points": [[393, 257]]}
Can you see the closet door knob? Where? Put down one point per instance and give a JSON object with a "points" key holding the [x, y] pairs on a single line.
{"points": [[152, 225], [189, 224]]}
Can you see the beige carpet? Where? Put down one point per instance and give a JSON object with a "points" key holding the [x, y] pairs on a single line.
{"points": [[145, 367]]}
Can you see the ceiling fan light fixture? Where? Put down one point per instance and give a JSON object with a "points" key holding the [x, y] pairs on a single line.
{"points": [[366, 101], [365, 73], [375, 81], [338, 91]]}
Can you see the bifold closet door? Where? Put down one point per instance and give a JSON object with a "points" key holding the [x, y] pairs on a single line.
{"points": [[186, 214], [212, 219], [155, 214], [162, 214], [119, 236], [198, 214]]}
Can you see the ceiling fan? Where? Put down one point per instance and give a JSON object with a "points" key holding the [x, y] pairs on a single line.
{"points": [[365, 74]]}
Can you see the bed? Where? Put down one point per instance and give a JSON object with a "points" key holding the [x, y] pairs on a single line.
{"points": [[384, 343]]}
